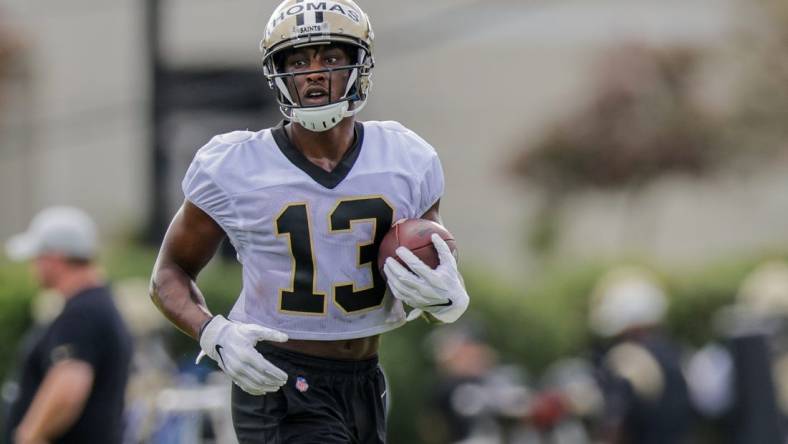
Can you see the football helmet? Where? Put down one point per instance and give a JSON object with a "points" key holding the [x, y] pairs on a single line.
{"points": [[299, 23], [624, 298], [765, 290]]}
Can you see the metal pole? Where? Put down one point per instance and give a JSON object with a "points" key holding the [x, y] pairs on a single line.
{"points": [[157, 217]]}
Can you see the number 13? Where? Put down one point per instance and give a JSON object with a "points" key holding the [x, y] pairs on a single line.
{"points": [[294, 222]]}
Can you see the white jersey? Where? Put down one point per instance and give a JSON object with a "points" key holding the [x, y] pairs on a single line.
{"points": [[307, 238]]}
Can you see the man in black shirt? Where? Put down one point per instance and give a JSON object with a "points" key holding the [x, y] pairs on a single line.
{"points": [[74, 378]]}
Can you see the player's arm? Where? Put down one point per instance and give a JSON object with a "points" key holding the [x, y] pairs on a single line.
{"points": [[438, 293], [190, 242], [58, 403], [433, 213]]}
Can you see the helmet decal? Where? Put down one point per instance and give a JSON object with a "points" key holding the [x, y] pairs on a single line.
{"points": [[310, 16]]}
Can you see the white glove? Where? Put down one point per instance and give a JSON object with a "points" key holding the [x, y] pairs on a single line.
{"points": [[439, 292], [231, 345]]}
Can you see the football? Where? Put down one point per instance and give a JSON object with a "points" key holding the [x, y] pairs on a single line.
{"points": [[414, 234]]}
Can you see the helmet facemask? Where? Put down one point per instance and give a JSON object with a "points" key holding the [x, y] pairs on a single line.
{"points": [[323, 116]]}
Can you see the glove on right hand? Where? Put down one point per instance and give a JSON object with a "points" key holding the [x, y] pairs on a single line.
{"points": [[231, 345]]}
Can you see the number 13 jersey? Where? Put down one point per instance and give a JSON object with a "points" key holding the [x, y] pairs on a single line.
{"points": [[308, 238]]}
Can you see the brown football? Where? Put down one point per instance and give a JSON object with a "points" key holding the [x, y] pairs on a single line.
{"points": [[414, 234]]}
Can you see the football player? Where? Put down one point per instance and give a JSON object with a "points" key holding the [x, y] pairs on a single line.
{"points": [[306, 204]]}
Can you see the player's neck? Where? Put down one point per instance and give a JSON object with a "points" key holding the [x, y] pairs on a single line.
{"points": [[77, 280], [324, 149]]}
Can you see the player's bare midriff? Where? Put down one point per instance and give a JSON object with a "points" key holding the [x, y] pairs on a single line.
{"points": [[346, 350]]}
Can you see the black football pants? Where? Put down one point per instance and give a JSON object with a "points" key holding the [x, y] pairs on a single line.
{"points": [[324, 401]]}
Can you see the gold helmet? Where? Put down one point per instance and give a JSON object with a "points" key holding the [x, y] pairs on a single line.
{"points": [[298, 23], [624, 298], [765, 290]]}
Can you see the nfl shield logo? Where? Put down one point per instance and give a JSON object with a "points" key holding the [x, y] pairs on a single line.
{"points": [[301, 385]]}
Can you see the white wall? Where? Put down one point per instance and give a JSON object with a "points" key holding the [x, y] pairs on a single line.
{"points": [[474, 77], [85, 117]]}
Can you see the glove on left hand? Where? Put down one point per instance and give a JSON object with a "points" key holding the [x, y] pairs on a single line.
{"points": [[439, 292]]}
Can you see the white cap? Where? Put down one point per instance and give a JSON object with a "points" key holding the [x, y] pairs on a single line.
{"points": [[65, 230]]}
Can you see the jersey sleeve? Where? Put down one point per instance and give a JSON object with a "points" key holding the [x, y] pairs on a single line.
{"points": [[201, 186], [75, 336], [432, 185]]}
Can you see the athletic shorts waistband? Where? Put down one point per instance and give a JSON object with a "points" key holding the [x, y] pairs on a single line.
{"points": [[316, 364]]}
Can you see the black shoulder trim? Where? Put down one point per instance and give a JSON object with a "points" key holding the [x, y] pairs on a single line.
{"points": [[327, 179]]}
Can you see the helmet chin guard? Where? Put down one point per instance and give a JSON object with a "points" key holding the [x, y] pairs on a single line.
{"points": [[321, 118]]}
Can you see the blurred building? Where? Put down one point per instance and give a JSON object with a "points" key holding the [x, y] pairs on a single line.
{"points": [[73, 125], [476, 78]]}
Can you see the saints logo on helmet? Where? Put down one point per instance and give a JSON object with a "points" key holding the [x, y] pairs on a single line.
{"points": [[299, 23]]}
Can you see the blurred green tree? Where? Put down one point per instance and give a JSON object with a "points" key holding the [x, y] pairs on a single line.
{"points": [[642, 123]]}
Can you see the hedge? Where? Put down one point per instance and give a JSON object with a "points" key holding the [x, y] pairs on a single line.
{"points": [[530, 326]]}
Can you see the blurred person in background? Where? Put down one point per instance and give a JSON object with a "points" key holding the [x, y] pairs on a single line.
{"points": [[639, 369], [152, 369], [74, 379], [462, 360], [740, 382], [306, 205], [475, 399], [568, 399], [44, 308]]}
